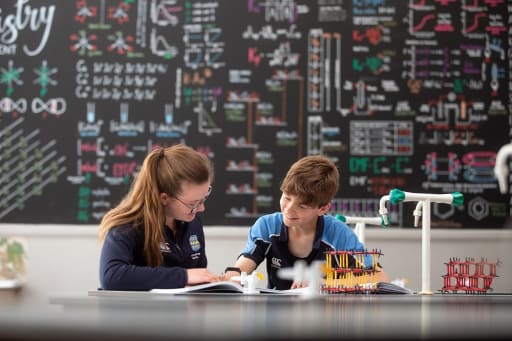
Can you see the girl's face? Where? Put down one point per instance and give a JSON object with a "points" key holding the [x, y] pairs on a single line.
{"points": [[191, 200], [297, 214]]}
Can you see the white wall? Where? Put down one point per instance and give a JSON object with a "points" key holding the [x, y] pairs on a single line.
{"points": [[62, 260]]}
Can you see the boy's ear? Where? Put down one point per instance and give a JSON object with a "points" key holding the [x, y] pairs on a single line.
{"points": [[324, 209]]}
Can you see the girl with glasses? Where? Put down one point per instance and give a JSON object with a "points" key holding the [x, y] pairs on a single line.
{"points": [[154, 237]]}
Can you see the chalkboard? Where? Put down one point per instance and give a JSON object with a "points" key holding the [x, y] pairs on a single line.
{"points": [[412, 95]]}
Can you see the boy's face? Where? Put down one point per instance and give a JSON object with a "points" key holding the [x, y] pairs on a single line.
{"points": [[298, 214]]}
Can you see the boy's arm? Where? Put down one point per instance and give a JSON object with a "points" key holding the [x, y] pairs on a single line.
{"points": [[246, 265], [382, 276]]}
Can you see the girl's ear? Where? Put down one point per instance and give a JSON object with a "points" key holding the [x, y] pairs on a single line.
{"points": [[164, 198]]}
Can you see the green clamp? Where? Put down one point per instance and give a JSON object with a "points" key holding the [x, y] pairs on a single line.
{"points": [[396, 196], [341, 217], [458, 199]]}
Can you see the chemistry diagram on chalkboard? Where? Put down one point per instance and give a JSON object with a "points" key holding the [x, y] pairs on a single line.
{"points": [[413, 95]]}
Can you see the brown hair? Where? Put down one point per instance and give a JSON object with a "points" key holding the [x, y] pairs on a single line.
{"points": [[162, 171], [313, 179]]}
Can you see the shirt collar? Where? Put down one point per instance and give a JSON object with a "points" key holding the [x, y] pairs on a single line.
{"points": [[283, 236]]}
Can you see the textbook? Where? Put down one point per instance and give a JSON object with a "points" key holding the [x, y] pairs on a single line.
{"points": [[214, 287], [230, 287], [225, 287], [391, 288]]}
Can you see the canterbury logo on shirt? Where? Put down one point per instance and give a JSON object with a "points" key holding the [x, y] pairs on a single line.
{"points": [[276, 262], [164, 247]]}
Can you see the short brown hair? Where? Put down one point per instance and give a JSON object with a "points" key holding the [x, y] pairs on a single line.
{"points": [[313, 179]]}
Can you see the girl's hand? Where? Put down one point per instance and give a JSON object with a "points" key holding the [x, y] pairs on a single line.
{"points": [[200, 275]]}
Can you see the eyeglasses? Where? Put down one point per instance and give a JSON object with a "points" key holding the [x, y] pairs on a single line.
{"points": [[195, 207]]}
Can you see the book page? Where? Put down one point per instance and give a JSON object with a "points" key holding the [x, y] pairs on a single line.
{"points": [[214, 287], [391, 288]]}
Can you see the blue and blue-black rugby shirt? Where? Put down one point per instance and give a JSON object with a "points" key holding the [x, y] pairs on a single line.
{"points": [[268, 239]]}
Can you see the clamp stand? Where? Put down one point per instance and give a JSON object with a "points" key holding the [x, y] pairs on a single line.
{"points": [[361, 222], [422, 209]]}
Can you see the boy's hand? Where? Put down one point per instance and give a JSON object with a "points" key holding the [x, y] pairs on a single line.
{"points": [[228, 275], [296, 285]]}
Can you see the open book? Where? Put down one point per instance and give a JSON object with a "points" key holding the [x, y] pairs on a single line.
{"points": [[235, 288], [223, 288], [391, 288]]}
